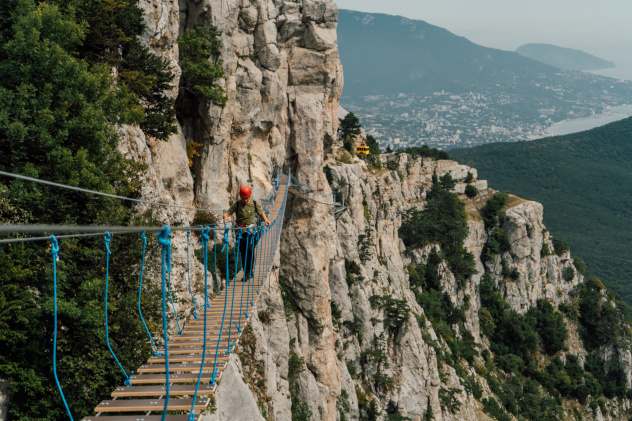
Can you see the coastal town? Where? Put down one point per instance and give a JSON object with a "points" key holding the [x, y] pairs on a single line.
{"points": [[448, 120]]}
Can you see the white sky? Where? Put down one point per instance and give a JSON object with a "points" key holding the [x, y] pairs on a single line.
{"points": [[599, 27]]}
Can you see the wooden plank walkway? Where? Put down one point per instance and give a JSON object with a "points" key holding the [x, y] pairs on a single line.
{"points": [[186, 349]]}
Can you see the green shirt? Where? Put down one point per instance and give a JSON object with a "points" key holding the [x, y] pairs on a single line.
{"points": [[245, 213]]}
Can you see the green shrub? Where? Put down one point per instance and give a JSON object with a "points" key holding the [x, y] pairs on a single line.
{"points": [[496, 243], [492, 209], [328, 174], [352, 269], [550, 326], [396, 311], [568, 273], [349, 144], [392, 165], [560, 246], [580, 265], [447, 182], [545, 251], [345, 158], [365, 243], [471, 191], [425, 151], [449, 400], [469, 178]]}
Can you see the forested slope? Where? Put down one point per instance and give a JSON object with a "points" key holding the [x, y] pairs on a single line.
{"points": [[583, 180]]}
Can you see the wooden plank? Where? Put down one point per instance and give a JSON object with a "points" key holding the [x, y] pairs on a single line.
{"points": [[137, 405], [210, 345], [174, 390], [185, 350], [186, 358], [193, 367], [138, 379], [200, 337], [142, 418]]}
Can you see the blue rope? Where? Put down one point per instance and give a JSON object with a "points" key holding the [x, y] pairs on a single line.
{"points": [[232, 304], [244, 280], [54, 250], [261, 263], [173, 306], [108, 237], [140, 291], [219, 292], [205, 238], [221, 329], [164, 239], [189, 276]]}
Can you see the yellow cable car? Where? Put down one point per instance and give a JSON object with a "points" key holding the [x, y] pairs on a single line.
{"points": [[363, 150]]}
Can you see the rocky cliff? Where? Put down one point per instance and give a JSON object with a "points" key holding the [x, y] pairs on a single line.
{"points": [[340, 333]]}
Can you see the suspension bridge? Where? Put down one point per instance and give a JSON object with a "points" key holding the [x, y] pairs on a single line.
{"points": [[184, 372]]}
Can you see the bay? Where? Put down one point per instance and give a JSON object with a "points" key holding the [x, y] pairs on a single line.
{"points": [[587, 123]]}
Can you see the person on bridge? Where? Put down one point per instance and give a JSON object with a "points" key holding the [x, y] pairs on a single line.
{"points": [[245, 210]]}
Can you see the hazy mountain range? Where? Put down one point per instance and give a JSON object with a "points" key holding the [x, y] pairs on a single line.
{"points": [[563, 58], [414, 83]]}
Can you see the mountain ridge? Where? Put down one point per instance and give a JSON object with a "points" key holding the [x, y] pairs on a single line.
{"points": [[563, 58]]}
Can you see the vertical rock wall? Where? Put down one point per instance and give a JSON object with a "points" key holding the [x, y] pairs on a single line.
{"points": [[283, 81]]}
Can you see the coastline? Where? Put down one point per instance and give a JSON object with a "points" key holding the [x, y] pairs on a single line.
{"points": [[574, 125]]}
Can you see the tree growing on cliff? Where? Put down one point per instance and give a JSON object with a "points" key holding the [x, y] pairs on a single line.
{"points": [[349, 126], [199, 75]]}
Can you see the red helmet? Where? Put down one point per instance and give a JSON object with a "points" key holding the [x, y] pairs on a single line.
{"points": [[245, 191]]}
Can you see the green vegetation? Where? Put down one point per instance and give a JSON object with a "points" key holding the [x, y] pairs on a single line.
{"points": [[396, 311], [349, 126], [392, 165], [425, 152], [374, 152], [442, 313], [59, 103], [353, 271], [199, 76], [443, 221], [300, 410], [471, 191], [580, 179], [365, 243], [516, 339], [234, 262]]}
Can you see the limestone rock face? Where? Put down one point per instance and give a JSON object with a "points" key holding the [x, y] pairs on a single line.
{"points": [[234, 399], [318, 323]]}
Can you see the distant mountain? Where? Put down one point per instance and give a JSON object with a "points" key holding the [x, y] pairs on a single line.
{"points": [[563, 58], [585, 184], [382, 54], [413, 83]]}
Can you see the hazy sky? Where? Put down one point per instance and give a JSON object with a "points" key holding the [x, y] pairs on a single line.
{"points": [[602, 27]]}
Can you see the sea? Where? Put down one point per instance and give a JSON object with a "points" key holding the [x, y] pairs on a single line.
{"points": [[623, 72], [580, 124]]}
